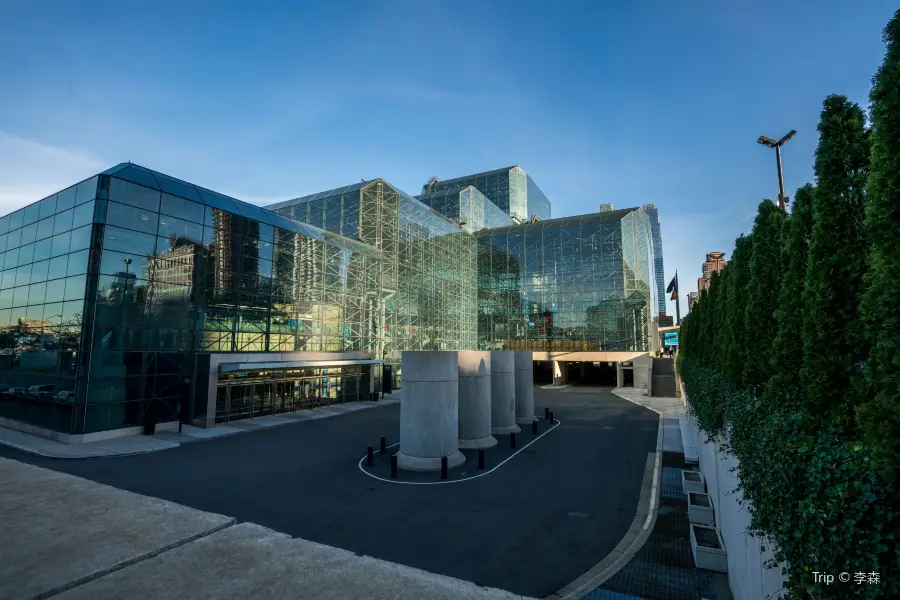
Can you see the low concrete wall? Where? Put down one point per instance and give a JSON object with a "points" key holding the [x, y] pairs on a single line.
{"points": [[643, 374], [748, 576]]}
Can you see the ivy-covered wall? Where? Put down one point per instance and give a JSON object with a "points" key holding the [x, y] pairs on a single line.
{"points": [[792, 356]]}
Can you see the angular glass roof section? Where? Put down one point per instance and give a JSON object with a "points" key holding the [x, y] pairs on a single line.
{"points": [[356, 187], [159, 181], [495, 171], [349, 189], [560, 222]]}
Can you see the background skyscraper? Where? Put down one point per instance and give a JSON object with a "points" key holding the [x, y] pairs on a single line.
{"points": [[658, 266]]}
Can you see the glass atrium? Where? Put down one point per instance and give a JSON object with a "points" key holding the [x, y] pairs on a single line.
{"points": [[116, 293], [510, 189], [581, 283]]}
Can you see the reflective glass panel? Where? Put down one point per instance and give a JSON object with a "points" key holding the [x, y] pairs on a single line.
{"points": [[39, 270], [60, 244], [66, 199], [81, 238], [84, 214], [62, 221], [57, 267], [55, 290], [124, 240], [26, 254], [48, 207], [78, 262], [29, 232], [174, 227], [133, 194], [87, 190], [75, 287], [32, 212], [185, 209], [45, 228], [131, 217], [15, 219]]}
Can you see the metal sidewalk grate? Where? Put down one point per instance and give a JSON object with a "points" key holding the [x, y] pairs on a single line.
{"points": [[663, 569]]}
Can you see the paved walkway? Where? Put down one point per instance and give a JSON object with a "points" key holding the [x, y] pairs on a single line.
{"points": [[69, 538], [166, 440], [663, 568]]}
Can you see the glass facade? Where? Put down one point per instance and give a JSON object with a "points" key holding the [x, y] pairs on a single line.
{"points": [[468, 207], [116, 293], [510, 189], [427, 269], [574, 284], [122, 291]]}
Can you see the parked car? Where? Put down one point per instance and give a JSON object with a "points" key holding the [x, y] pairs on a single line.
{"points": [[20, 391], [41, 391], [65, 396]]}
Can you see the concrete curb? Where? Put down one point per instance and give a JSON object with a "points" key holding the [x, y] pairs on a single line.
{"points": [[44, 454], [641, 526], [555, 387]]}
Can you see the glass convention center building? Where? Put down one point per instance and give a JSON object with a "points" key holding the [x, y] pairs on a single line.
{"points": [[134, 297]]}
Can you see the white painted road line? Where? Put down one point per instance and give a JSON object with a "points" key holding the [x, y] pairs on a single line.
{"points": [[508, 458]]}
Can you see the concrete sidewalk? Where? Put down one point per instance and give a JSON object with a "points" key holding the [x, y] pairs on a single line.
{"points": [[72, 538], [165, 440], [671, 411]]}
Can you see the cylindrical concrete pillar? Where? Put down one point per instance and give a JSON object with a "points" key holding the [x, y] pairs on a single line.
{"points": [[524, 365], [429, 411], [503, 392], [475, 399]]}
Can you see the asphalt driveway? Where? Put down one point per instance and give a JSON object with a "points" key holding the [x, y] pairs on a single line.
{"points": [[530, 527]]}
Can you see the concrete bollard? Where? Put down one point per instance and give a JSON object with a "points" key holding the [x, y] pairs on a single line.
{"points": [[551, 418], [383, 444], [534, 427], [429, 411], [475, 399], [524, 384], [503, 393], [547, 413]]}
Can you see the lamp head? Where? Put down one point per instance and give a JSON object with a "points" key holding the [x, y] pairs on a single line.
{"points": [[790, 134]]}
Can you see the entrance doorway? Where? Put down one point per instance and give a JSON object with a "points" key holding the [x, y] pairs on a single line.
{"points": [[256, 393]]}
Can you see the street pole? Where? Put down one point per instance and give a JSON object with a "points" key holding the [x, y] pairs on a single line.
{"points": [[770, 143], [781, 203], [677, 302]]}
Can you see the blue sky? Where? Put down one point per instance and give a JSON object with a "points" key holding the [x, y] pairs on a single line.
{"points": [[629, 102]]}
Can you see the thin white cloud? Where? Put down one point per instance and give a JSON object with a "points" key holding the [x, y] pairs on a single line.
{"points": [[31, 170]]}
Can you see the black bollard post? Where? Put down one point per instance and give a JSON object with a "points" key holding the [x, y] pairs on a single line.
{"points": [[534, 427], [551, 418], [547, 413], [370, 456], [512, 440], [383, 444], [443, 467], [394, 467], [481, 459]]}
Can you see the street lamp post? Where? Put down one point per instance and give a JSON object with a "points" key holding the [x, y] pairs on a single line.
{"points": [[770, 143]]}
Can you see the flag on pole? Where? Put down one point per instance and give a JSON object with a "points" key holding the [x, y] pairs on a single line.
{"points": [[673, 287]]}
